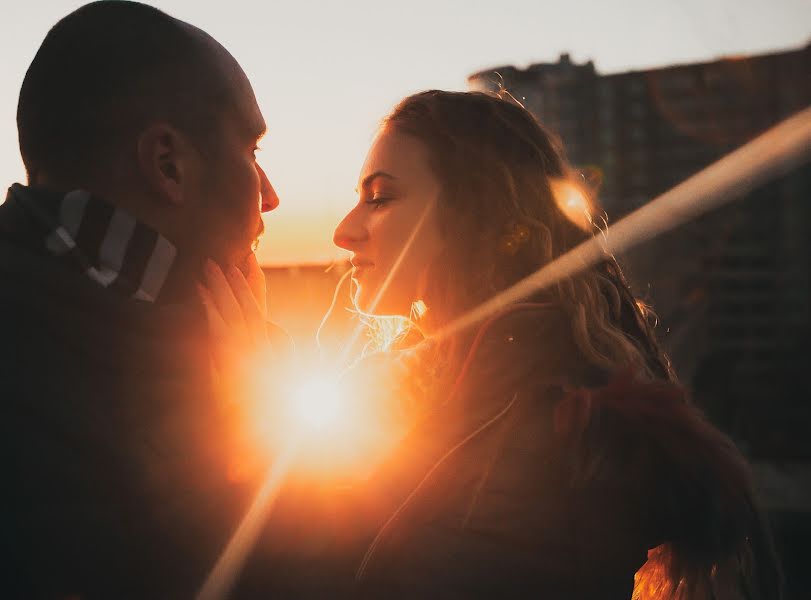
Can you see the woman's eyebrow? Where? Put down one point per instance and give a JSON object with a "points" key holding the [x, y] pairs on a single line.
{"points": [[367, 181]]}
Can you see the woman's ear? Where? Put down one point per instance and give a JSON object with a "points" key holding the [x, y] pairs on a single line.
{"points": [[166, 159]]}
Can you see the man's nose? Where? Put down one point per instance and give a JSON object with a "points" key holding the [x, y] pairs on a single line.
{"points": [[269, 198], [351, 231]]}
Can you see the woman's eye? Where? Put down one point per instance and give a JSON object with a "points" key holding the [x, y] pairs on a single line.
{"points": [[378, 201]]}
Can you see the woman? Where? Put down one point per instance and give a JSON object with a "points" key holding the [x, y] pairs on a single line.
{"points": [[549, 451]]}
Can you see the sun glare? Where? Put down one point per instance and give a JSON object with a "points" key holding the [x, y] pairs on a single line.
{"points": [[302, 405], [316, 402], [573, 202]]}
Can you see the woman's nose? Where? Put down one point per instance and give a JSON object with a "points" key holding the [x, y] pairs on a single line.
{"points": [[269, 198], [351, 231]]}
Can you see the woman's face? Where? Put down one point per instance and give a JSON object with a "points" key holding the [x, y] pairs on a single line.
{"points": [[393, 231]]}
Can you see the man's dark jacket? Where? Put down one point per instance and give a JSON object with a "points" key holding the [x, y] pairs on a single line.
{"points": [[115, 483]]}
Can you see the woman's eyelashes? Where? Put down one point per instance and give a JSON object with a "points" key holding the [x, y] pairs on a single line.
{"points": [[377, 200]]}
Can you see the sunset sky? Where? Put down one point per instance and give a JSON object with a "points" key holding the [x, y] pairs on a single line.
{"points": [[325, 72]]}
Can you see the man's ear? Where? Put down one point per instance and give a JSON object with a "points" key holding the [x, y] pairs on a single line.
{"points": [[166, 158]]}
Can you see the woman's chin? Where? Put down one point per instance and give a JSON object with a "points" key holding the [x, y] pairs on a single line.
{"points": [[384, 307]]}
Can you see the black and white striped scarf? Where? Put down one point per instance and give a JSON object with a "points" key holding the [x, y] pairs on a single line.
{"points": [[104, 242]]}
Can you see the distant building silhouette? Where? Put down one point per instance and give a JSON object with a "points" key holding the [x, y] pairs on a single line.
{"points": [[732, 289]]}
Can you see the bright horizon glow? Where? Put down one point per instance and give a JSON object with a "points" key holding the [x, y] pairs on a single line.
{"points": [[325, 73]]}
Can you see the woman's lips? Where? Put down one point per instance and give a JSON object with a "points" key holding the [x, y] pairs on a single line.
{"points": [[361, 264]]}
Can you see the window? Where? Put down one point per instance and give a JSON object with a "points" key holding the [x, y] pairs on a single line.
{"points": [[605, 92], [639, 179], [636, 86], [638, 110], [607, 137], [637, 156], [676, 81], [637, 134]]}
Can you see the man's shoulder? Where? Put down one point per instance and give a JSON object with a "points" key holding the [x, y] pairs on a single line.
{"points": [[19, 292], [49, 310]]}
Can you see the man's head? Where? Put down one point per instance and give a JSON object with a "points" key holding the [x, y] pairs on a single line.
{"points": [[154, 115]]}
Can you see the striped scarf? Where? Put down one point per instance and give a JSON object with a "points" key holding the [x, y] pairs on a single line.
{"points": [[100, 240]]}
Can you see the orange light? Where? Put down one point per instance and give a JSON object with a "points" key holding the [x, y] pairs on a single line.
{"points": [[338, 425], [295, 406], [573, 202], [316, 403]]}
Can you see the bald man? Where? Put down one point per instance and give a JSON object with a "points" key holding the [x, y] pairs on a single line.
{"points": [[138, 133]]}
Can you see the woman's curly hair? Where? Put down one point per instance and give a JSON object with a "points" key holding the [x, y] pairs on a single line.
{"points": [[503, 220]]}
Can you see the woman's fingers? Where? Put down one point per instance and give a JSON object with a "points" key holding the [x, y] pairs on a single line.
{"points": [[239, 319], [216, 324], [256, 281], [218, 329], [251, 312], [224, 300], [227, 349]]}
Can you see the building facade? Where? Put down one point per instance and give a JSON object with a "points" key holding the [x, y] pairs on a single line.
{"points": [[732, 289]]}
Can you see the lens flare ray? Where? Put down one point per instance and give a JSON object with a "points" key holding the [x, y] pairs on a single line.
{"points": [[225, 572], [773, 153]]}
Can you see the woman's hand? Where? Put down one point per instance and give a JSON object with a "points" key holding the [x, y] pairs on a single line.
{"points": [[236, 309]]}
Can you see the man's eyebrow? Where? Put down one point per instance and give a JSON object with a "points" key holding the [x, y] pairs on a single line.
{"points": [[367, 181]]}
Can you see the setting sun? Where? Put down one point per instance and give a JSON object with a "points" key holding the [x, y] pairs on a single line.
{"points": [[316, 403]]}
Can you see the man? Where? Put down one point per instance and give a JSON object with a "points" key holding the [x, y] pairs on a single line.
{"points": [[138, 133]]}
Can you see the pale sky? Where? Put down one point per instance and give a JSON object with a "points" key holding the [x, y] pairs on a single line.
{"points": [[326, 72]]}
